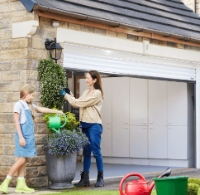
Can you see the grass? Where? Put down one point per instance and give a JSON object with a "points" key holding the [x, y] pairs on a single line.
{"points": [[92, 192]]}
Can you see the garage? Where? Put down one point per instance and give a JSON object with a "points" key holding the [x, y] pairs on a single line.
{"points": [[149, 106]]}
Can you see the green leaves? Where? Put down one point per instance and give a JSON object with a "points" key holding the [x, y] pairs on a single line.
{"points": [[72, 123], [53, 78]]}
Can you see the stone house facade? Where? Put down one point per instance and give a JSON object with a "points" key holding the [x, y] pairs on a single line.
{"points": [[193, 4], [21, 49]]}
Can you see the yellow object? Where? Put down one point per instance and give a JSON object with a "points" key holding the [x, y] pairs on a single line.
{"points": [[22, 187], [4, 185]]}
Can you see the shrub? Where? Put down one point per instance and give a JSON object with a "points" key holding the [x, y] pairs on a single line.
{"points": [[194, 180], [192, 189], [53, 78]]}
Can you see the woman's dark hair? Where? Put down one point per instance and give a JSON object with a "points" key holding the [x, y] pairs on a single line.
{"points": [[98, 84]]}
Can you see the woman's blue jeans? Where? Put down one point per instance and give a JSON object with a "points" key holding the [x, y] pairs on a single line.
{"points": [[93, 133]]}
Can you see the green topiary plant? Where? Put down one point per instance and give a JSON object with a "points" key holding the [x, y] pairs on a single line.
{"points": [[53, 78]]}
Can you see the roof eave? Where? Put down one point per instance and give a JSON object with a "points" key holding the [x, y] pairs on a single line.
{"points": [[76, 15], [109, 22]]}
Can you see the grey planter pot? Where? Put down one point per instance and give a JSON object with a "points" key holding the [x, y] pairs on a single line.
{"points": [[61, 170]]}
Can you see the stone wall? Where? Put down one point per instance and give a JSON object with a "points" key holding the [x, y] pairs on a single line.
{"points": [[198, 7], [192, 6], [18, 65]]}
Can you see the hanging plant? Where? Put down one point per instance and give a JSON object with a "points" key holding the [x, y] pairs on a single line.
{"points": [[52, 77]]}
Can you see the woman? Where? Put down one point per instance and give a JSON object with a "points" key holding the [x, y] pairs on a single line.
{"points": [[90, 104]]}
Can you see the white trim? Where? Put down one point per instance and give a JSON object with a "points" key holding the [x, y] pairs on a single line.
{"points": [[24, 29], [95, 40], [125, 45], [140, 161], [197, 118]]}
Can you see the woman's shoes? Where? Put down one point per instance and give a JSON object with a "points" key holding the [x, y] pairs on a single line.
{"points": [[84, 182], [100, 181]]}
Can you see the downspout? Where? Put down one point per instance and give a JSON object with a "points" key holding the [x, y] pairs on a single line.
{"points": [[195, 6]]}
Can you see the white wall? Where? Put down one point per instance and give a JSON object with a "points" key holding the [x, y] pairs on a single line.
{"points": [[147, 122]]}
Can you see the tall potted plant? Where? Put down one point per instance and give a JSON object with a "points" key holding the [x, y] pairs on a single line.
{"points": [[60, 148]]}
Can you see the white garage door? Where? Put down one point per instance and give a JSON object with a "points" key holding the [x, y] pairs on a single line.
{"points": [[116, 62]]}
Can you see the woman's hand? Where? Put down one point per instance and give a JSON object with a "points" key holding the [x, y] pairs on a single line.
{"points": [[64, 91], [22, 141]]}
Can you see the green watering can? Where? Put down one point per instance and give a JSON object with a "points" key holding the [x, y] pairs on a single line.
{"points": [[55, 123]]}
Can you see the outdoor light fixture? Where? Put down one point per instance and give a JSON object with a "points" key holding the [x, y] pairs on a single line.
{"points": [[54, 48], [54, 23]]}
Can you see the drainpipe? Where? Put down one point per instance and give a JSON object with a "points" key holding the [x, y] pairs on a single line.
{"points": [[197, 164], [195, 6]]}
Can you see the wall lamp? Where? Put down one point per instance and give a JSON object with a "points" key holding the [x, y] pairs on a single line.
{"points": [[54, 48]]}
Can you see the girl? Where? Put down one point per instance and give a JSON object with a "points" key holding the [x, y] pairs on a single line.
{"points": [[90, 104], [24, 112]]}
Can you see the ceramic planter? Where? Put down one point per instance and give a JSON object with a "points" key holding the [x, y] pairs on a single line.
{"points": [[61, 170]]}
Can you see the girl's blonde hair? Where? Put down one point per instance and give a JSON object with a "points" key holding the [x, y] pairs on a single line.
{"points": [[25, 90]]}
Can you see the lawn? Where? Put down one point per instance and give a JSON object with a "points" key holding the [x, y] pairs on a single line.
{"points": [[92, 192]]}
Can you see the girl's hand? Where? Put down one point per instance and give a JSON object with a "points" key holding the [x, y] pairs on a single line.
{"points": [[22, 141], [59, 112]]}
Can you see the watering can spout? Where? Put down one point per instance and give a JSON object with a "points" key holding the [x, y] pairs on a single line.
{"points": [[165, 174], [56, 130], [150, 187]]}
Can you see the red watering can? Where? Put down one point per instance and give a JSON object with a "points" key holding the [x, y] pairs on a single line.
{"points": [[140, 186]]}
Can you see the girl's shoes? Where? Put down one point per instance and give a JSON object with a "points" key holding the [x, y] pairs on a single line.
{"points": [[22, 187], [4, 185]]}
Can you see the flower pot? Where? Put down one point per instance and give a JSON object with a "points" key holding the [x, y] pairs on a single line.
{"points": [[61, 170]]}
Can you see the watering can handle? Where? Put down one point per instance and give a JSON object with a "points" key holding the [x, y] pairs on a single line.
{"points": [[125, 177], [64, 121]]}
